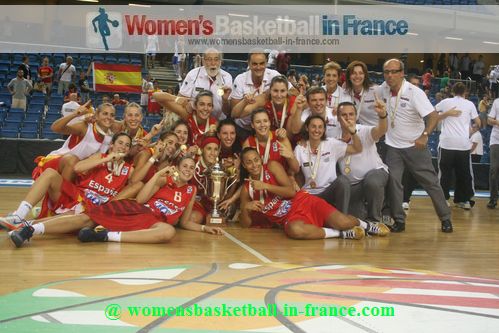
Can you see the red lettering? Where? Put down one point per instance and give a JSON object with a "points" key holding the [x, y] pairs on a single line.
{"points": [[150, 27], [207, 27], [135, 24], [181, 27], [139, 25], [165, 26]]}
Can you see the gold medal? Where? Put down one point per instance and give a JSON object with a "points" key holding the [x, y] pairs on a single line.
{"points": [[347, 170], [313, 184], [220, 91]]}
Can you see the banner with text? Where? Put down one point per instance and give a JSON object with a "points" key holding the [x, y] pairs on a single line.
{"points": [[237, 29]]}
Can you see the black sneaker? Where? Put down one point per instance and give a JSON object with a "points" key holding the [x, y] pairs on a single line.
{"points": [[447, 226], [91, 235], [19, 236], [397, 227]]}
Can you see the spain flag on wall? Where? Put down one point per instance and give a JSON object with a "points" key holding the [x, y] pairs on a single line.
{"points": [[117, 78]]}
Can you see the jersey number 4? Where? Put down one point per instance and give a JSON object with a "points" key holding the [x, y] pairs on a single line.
{"points": [[109, 178]]}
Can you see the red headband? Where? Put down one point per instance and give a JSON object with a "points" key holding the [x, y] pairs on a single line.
{"points": [[210, 139]]}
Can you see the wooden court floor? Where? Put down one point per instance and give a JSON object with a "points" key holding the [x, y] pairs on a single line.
{"points": [[473, 248], [56, 284]]}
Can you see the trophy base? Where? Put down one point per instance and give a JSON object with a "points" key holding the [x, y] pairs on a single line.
{"points": [[218, 221]]}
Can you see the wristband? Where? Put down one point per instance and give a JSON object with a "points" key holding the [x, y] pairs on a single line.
{"points": [[203, 228], [151, 160], [176, 99], [384, 117]]}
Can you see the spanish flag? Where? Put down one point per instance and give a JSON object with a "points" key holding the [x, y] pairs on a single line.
{"points": [[117, 78]]}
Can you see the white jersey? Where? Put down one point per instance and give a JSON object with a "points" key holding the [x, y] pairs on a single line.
{"points": [[365, 107], [337, 97], [406, 111], [198, 80], [69, 108], [478, 139], [331, 151], [356, 166], [494, 114], [86, 147], [243, 84], [333, 129], [456, 130]]}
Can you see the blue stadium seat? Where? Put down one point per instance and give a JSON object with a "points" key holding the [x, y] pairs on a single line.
{"points": [[9, 133], [136, 61], [123, 59], [48, 134], [111, 58], [36, 106], [50, 118], [32, 118], [56, 100], [14, 117], [6, 97], [98, 58], [11, 124]]}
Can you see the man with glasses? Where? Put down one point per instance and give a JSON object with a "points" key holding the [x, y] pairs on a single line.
{"points": [[406, 140], [210, 77], [248, 85]]}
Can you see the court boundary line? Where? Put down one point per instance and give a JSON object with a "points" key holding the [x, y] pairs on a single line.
{"points": [[248, 248]]}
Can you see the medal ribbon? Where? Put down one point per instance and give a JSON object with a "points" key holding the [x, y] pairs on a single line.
{"points": [[283, 117], [393, 112], [267, 148], [315, 167]]}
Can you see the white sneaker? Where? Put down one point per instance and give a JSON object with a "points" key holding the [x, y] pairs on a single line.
{"points": [[464, 205], [405, 205], [10, 222]]}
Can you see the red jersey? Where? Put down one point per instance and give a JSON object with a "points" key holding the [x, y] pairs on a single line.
{"points": [[152, 105], [198, 130], [102, 184], [274, 154], [44, 71], [170, 201], [276, 123], [275, 208]]}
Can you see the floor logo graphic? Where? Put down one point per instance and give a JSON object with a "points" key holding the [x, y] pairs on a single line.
{"points": [[104, 29]]}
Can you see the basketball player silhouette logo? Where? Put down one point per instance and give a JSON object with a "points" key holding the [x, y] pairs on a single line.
{"points": [[102, 26]]}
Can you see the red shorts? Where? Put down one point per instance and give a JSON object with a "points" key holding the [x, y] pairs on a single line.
{"points": [[309, 209], [70, 197], [198, 207], [203, 206], [123, 215], [259, 220], [43, 163]]}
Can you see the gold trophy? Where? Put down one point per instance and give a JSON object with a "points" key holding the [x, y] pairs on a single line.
{"points": [[217, 187]]}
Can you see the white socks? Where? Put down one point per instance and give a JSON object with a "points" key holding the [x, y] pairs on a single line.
{"points": [[23, 209], [114, 236], [38, 229], [331, 233]]}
